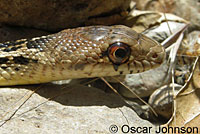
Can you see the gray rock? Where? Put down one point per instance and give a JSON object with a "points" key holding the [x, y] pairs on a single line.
{"points": [[54, 15], [79, 110]]}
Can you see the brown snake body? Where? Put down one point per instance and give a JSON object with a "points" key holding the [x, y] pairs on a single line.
{"points": [[93, 51]]}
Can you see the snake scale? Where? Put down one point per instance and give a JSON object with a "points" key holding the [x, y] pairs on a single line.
{"points": [[93, 51]]}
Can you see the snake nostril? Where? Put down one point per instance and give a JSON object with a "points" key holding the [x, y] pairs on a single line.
{"points": [[155, 55]]}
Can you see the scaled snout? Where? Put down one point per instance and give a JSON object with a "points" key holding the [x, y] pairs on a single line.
{"points": [[156, 54]]}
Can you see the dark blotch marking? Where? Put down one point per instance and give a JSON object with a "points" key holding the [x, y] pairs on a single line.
{"points": [[4, 68], [3, 45], [112, 37], [128, 66], [121, 72], [22, 60], [11, 49], [154, 55], [16, 69], [131, 71], [3, 60], [35, 61], [38, 43], [11, 46], [115, 67], [33, 44]]}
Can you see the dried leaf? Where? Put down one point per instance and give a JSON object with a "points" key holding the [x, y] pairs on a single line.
{"points": [[188, 106], [142, 20]]}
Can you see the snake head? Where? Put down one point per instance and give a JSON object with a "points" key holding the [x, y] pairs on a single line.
{"points": [[110, 50]]}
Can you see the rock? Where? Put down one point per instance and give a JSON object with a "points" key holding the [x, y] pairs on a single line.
{"points": [[58, 14], [79, 110], [143, 84]]}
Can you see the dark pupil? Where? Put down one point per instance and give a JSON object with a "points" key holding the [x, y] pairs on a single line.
{"points": [[120, 53]]}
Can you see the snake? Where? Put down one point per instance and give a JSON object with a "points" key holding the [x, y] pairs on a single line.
{"points": [[83, 52]]}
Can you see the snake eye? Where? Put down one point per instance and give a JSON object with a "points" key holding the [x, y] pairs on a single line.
{"points": [[119, 53]]}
